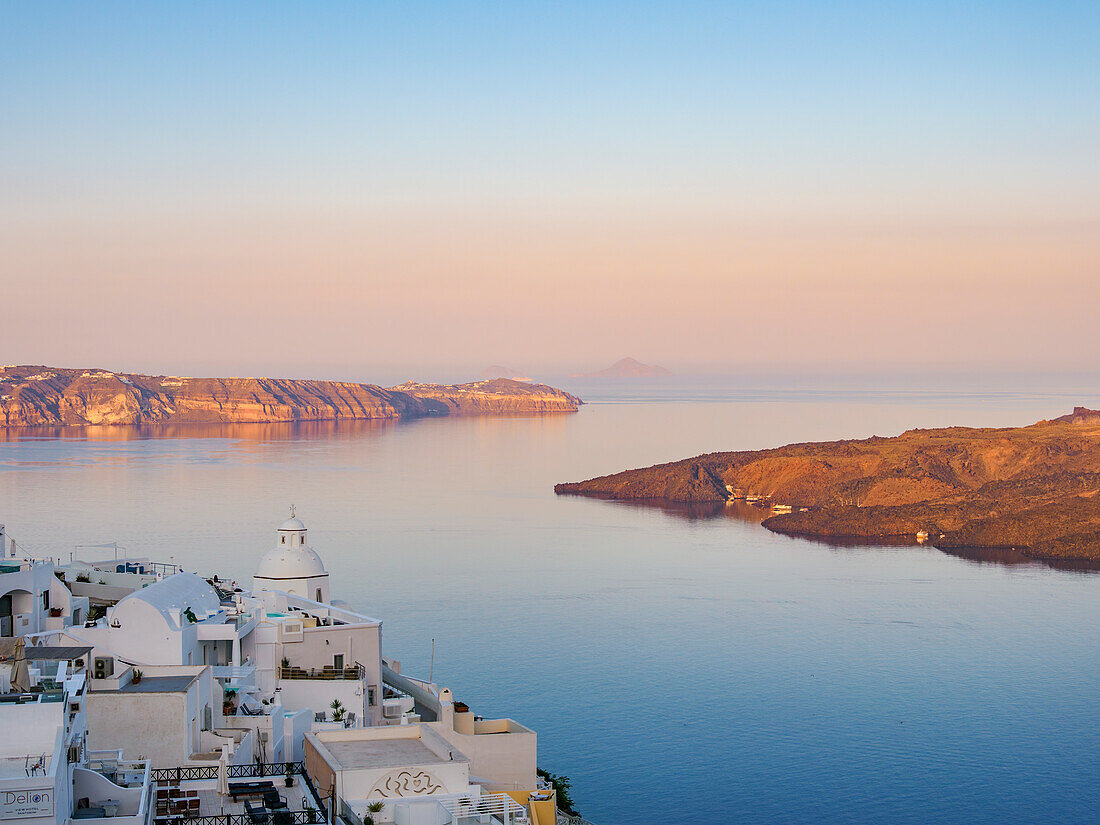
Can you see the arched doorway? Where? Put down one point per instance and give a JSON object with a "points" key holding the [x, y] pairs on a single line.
{"points": [[12, 604]]}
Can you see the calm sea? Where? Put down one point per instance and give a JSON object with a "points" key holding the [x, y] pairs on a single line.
{"points": [[678, 668]]}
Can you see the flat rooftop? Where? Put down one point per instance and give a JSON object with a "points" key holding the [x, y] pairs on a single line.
{"points": [[18, 767], [382, 753], [156, 684]]}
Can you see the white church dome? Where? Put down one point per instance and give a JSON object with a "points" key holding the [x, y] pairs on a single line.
{"points": [[291, 558], [290, 563]]}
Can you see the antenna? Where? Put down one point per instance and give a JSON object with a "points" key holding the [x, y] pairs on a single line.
{"points": [[431, 667], [292, 511]]}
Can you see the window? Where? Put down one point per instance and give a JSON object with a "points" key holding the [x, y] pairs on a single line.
{"points": [[370, 696], [338, 661], [45, 599], [318, 599], [282, 539]]}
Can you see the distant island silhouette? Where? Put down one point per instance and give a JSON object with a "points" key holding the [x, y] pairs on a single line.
{"points": [[498, 371], [628, 368]]}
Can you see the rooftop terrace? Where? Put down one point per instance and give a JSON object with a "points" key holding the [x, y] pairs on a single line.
{"points": [[382, 753]]}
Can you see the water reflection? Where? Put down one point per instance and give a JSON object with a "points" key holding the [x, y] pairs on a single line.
{"points": [[743, 512], [280, 431]]}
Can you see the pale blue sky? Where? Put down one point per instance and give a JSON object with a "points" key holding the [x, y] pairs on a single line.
{"points": [[132, 126]]}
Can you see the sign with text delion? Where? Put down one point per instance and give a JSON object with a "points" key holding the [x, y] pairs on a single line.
{"points": [[25, 804]]}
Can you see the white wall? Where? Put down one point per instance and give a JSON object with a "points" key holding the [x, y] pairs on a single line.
{"points": [[450, 776], [33, 730], [26, 588], [145, 725], [316, 695], [295, 728], [163, 727], [508, 759]]}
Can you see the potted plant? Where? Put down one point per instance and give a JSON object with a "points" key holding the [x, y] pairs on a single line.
{"points": [[311, 813], [135, 676], [84, 578], [285, 668], [375, 809], [338, 710], [289, 774]]}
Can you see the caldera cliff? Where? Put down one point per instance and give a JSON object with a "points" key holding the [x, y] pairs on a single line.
{"points": [[37, 396], [1031, 488]]}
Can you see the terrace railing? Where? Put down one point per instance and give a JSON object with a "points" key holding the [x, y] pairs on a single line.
{"points": [[353, 672], [190, 773], [279, 816]]}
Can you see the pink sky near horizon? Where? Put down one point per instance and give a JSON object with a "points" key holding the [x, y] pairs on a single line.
{"points": [[543, 293]]}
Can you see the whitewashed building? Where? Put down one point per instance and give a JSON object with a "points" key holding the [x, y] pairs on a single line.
{"points": [[48, 776]]}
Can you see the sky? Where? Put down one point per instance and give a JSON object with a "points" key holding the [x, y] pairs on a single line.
{"points": [[345, 190]]}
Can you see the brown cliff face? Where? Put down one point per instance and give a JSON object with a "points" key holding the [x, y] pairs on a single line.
{"points": [[493, 397], [35, 396], [1033, 488]]}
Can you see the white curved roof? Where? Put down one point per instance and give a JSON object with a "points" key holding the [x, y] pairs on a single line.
{"points": [[177, 592], [292, 523], [290, 563]]}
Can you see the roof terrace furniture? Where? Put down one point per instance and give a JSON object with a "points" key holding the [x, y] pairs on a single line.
{"points": [[257, 814], [273, 800], [90, 813], [258, 788]]}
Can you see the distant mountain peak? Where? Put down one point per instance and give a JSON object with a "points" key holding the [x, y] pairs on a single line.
{"points": [[629, 368]]}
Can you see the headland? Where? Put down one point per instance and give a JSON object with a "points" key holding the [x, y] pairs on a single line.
{"points": [[1033, 489], [39, 396]]}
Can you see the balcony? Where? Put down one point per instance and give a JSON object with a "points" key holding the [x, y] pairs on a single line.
{"points": [[107, 787], [355, 672], [235, 676], [497, 807], [190, 796]]}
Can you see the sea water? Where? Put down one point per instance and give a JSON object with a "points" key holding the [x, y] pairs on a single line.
{"points": [[678, 666]]}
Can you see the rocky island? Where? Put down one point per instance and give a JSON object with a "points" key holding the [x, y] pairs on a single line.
{"points": [[1033, 489], [628, 368], [37, 396]]}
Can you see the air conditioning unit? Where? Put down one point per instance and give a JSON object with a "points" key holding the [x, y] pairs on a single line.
{"points": [[104, 667]]}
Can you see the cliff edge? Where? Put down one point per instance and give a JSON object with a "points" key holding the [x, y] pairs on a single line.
{"points": [[37, 396]]}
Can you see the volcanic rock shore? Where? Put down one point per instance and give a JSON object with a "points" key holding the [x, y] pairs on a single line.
{"points": [[37, 396], [1034, 489]]}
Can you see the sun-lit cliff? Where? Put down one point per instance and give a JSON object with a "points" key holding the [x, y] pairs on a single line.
{"points": [[1033, 488], [37, 396]]}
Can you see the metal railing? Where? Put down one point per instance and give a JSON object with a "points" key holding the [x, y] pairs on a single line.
{"points": [[278, 816], [188, 773], [234, 672], [499, 805], [571, 819], [351, 672]]}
